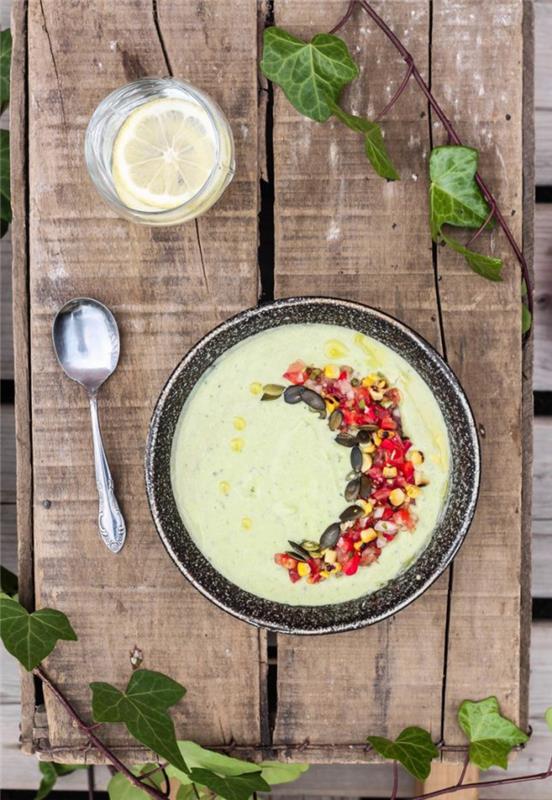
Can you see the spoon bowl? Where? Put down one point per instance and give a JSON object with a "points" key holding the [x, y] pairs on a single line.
{"points": [[86, 343]]}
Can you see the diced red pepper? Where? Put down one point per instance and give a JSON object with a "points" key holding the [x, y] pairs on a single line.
{"points": [[344, 543], [381, 494], [294, 575], [388, 424], [387, 512], [407, 470], [404, 517], [283, 560]]}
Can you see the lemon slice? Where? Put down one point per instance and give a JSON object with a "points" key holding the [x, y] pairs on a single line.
{"points": [[163, 154]]}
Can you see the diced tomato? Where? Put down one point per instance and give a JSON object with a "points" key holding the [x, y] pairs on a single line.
{"points": [[389, 536], [283, 560], [314, 564], [368, 556], [295, 373], [388, 424], [352, 565], [403, 517], [380, 494], [387, 512], [345, 544], [294, 575], [407, 470]]}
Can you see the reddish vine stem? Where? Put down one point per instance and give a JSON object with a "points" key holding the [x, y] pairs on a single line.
{"points": [[449, 128], [397, 94], [88, 730], [464, 769], [480, 230], [539, 776], [395, 788]]}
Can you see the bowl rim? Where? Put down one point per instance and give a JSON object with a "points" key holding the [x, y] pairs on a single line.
{"points": [[260, 620]]}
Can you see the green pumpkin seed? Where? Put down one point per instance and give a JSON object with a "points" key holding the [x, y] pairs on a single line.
{"points": [[365, 433], [313, 400], [356, 458], [296, 556], [366, 486], [300, 549], [271, 391], [310, 546], [336, 419], [331, 535], [345, 439]]}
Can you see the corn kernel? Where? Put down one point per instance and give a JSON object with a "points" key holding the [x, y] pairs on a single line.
{"points": [[247, 523], [416, 457], [337, 568], [331, 371], [368, 535], [239, 423], [330, 557], [255, 388], [376, 438], [358, 545], [366, 461], [375, 395], [331, 404], [303, 569], [324, 573], [397, 497], [366, 506], [368, 448], [412, 491], [224, 487], [390, 472], [335, 349]]}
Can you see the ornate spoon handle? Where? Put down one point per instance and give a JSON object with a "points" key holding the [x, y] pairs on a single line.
{"points": [[110, 520]]}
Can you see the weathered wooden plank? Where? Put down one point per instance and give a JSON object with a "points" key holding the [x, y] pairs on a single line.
{"points": [[7, 459], [342, 231], [486, 648], [6, 337], [543, 297], [542, 474], [166, 287], [543, 91]]}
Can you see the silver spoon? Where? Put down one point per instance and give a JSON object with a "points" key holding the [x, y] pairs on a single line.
{"points": [[86, 342]]}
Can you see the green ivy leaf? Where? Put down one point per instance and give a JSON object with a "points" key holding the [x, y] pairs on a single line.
{"points": [[233, 787], [413, 748], [548, 717], [454, 196], [50, 773], [276, 772], [486, 266], [374, 144], [8, 582], [491, 735], [526, 319], [196, 756], [311, 74], [120, 788], [5, 205], [5, 60], [31, 637], [143, 709]]}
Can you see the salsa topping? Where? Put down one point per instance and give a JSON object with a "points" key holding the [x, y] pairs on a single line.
{"points": [[385, 477]]}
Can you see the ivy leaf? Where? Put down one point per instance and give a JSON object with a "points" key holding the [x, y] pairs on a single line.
{"points": [[5, 59], [548, 717], [486, 266], [233, 787], [311, 74], [5, 205], [196, 756], [31, 637], [143, 709], [374, 144], [526, 316], [8, 582], [50, 773], [454, 196], [413, 748], [491, 735], [120, 788], [276, 772]]}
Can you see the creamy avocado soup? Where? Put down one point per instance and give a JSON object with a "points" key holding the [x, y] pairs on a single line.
{"points": [[256, 465]]}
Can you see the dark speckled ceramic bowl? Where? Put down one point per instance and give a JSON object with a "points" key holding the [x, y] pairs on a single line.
{"points": [[447, 536]]}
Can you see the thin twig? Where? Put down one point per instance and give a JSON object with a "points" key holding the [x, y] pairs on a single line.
{"points": [[482, 227], [395, 788], [464, 769], [86, 729], [539, 776], [90, 781], [453, 137]]}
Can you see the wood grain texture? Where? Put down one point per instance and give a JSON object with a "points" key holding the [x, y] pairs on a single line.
{"points": [[543, 297], [342, 231], [447, 774], [486, 645], [166, 287]]}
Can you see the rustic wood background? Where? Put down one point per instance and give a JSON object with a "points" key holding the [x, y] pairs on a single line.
{"points": [[184, 291]]}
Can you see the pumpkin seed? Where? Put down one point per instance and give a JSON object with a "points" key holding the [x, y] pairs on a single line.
{"points": [[352, 489], [293, 394], [356, 458], [310, 546], [271, 391], [345, 439], [300, 549], [296, 556], [331, 535], [365, 433], [366, 486], [314, 400], [336, 419], [351, 513]]}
